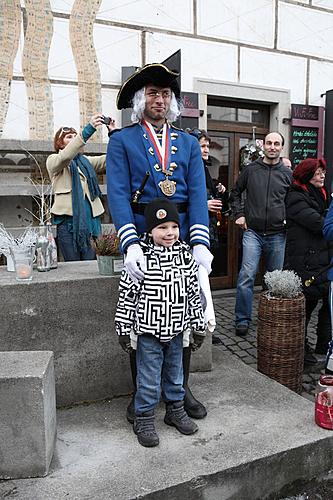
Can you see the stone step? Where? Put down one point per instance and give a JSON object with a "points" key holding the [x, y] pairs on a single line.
{"points": [[258, 437]]}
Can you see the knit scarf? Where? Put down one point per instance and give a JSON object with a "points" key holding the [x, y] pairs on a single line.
{"points": [[81, 233]]}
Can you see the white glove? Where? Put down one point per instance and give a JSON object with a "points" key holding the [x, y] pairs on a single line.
{"points": [[135, 262], [203, 256]]}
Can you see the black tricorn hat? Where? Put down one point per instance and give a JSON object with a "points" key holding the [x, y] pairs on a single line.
{"points": [[156, 74]]}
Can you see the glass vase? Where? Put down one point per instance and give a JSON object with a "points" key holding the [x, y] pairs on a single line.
{"points": [[43, 261]]}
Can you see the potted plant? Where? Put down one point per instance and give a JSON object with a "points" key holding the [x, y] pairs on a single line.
{"points": [[281, 329], [109, 258]]}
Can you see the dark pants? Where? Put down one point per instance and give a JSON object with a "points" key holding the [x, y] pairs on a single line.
{"points": [[323, 329], [66, 246]]}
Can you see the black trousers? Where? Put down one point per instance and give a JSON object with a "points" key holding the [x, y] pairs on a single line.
{"points": [[323, 329]]}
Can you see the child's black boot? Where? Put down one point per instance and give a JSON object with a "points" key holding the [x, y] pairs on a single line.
{"points": [[177, 416], [144, 428]]}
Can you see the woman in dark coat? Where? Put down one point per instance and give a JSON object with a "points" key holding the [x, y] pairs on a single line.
{"points": [[307, 252]]}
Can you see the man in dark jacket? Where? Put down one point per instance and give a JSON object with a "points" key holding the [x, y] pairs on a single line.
{"points": [[262, 216]]}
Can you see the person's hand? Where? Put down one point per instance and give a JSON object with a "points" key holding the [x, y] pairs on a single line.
{"points": [[125, 343], [135, 263], [197, 341], [96, 120], [241, 222], [203, 257], [221, 189], [214, 205]]}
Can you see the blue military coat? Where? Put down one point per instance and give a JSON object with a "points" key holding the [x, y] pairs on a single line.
{"points": [[129, 156]]}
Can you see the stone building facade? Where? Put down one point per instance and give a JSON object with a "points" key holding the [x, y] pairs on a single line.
{"points": [[248, 62]]}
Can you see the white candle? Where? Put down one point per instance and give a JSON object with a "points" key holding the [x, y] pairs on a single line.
{"points": [[23, 271]]}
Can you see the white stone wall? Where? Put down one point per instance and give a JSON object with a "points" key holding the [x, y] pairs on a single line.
{"points": [[282, 44]]}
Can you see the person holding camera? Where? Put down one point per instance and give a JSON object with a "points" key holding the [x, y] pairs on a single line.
{"points": [[77, 205]]}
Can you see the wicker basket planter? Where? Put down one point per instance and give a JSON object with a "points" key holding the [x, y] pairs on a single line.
{"points": [[280, 337]]}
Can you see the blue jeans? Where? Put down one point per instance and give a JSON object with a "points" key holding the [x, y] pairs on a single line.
{"points": [[254, 245], [159, 366], [65, 242]]}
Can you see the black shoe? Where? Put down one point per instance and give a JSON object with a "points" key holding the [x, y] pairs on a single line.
{"points": [[241, 330], [310, 358], [192, 406], [177, 417], [130, 413], [144, 428]]}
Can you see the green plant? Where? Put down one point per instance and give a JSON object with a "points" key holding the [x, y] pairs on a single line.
{"points": [[283, 284], [106, 244]]}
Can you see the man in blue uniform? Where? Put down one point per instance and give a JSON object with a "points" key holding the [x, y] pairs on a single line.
{"points": [[149, 159]]}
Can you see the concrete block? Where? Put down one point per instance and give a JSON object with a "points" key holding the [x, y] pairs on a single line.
{"points": [[27, 413]]}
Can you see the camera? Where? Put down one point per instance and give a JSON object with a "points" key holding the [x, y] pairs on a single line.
{"points": [[106, 120]]}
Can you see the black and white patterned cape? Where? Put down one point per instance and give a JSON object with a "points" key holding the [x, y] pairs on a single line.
{"points": [[167, 301]]}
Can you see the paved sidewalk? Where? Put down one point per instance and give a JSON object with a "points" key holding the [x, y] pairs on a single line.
{"points": [[246, 348]]}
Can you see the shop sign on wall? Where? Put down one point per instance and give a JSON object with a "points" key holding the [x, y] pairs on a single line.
{"points": [[306, 132]]}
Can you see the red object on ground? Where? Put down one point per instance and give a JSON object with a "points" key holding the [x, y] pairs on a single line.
{"points": [[324, 402]]}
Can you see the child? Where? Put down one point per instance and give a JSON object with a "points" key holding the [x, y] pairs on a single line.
{"points": [[160, 310]]}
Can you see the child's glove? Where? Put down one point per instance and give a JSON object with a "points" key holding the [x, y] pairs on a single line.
{"points": [[197, 341], [125, 343]]}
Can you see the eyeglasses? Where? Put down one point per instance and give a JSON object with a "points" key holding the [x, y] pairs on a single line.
{"points": [[152, 94], [66, 130]]}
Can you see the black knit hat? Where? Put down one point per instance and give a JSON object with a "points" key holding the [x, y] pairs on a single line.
{"points": [[155, 74], [159, 211]]}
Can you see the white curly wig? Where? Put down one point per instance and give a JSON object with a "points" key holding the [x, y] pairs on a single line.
{"points": [[139, 104]]}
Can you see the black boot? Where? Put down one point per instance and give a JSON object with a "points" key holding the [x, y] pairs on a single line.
{"points": [[177, 417], [144, 428], [130, 412], [192, 406]]}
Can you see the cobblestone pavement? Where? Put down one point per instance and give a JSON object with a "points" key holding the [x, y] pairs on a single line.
{"points": [[246, 348]]}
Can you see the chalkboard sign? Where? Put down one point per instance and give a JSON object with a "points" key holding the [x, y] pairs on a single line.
{"points": [[304, 144]]}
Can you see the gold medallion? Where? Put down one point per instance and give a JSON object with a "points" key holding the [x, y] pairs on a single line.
{"points": [[167, 187]]}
